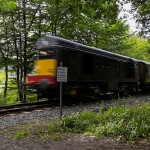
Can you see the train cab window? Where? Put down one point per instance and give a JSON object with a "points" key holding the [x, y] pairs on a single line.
{"points": [[45, 54]]}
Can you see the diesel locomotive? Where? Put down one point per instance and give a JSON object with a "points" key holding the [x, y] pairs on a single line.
{"points": [[90, 70]]}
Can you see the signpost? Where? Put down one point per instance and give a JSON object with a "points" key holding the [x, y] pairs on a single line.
{"points": [[61, 77], [62, 74]]}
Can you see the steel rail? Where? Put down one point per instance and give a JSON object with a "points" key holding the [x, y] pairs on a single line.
{"points": [[7, 109]]}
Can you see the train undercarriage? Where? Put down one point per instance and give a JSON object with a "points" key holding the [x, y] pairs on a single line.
{"points": [[84, 89]]}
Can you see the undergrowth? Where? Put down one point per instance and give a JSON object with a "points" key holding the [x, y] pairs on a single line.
{"points": [[123, 122]]}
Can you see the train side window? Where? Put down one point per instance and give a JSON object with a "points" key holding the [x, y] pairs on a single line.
{"points": [[130, 69], [147, 69], [87, 64]]}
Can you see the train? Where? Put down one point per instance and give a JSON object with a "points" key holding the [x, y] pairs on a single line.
{"points": [[90, 70]]}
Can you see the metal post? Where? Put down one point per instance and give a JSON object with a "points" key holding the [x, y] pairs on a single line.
{"points": [[61, 94]]}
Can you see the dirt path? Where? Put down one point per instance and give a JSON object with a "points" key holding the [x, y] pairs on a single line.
{"points": [[77, 142]]}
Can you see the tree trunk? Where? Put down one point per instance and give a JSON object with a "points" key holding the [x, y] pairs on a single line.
{"points": [[6, 80]]}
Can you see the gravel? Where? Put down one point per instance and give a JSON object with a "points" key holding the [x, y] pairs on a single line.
{"points": [[41, 114], [50, 113]]}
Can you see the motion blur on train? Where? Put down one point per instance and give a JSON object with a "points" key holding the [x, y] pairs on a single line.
{"points": [[91, 71]]}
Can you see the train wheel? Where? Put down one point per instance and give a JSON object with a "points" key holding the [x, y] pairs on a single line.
{"points": [[124, 92], [116, 95]]}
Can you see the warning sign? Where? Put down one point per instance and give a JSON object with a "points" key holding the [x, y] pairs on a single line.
{"points": [[62, 74]]}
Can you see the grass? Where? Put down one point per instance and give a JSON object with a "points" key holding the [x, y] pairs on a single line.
{"points": [[20, 134], [129, 123]]}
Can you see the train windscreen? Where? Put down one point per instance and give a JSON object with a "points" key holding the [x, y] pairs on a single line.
{"points": [[46, 54]]}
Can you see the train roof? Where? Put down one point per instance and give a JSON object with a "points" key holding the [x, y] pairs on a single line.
{"points": [[49, 41], [142, 61]]}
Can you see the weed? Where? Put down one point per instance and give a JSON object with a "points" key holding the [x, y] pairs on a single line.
{"points": [[20, 134]]}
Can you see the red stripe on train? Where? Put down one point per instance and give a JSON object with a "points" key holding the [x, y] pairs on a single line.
{"points": [[31, 80]]}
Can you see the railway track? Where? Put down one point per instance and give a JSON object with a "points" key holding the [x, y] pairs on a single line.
{"points": [[10, 115], [25, 107], [18, 108]]}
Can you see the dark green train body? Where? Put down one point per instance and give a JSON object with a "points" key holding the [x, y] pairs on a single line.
{"points": [[90, 70]]}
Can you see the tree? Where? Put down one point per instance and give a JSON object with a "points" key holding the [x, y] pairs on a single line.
{"points": [[139, 48], [112, 37], [91, 22], [143, 14], [18, 24], [25, 15], [5, 6]]}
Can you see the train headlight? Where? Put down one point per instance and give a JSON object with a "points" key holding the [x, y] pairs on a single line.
{"points": [[44, 84]]}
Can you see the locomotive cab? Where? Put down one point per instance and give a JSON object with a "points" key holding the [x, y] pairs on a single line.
{"points": [[45, 67], [46, 63]]}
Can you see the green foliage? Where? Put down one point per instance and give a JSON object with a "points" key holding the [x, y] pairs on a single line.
{"points": [[118, 33], [130, 123], [2, 77], [6, 5], [31, 97], [11, 97], [20, 134], [143, 14], [77, 123], [12, 91], [2, 99], [137, 47], [80, 122]]}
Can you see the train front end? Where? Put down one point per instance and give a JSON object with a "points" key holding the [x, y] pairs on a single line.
{"points": [[44, 79]]}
